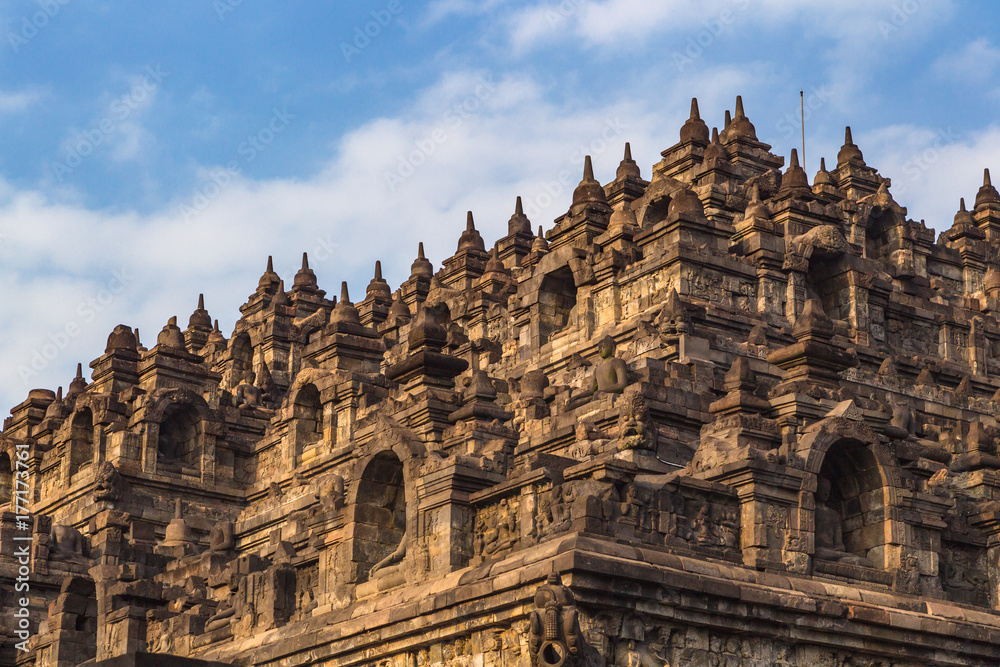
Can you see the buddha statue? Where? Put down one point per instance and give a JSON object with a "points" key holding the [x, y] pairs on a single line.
{"points": [[610, 376], [830, 533], [220, 538], [66, 543], [246, 394], [391, 563]]}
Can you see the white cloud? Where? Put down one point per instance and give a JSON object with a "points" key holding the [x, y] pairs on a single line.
{"points": [[21, 100], [618, 22], [932, 168], [976, 63], [118, 133], [439, 10], [853, 37]]}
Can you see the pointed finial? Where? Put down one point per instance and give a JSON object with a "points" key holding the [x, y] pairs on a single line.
{"points": [[519, 223], [217, 326], [540, 244], [137, 342], [280, 298], [729, 119], [793, 161], [421, 265], [378, 287], [59, 394], [823, 177], [628, 167], [344, 296], [470, 224], [961, 206], [200, 318], [694, 128], [172, 322], [849, 152], [715, 135], [178, 509], [79, 371], [755, 193], [739, 107], [589, 192], [494, 264], [305, 261], [269, 278], [987, 195]]}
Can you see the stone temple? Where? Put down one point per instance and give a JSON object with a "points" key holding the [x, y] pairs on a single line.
{"points": [[721, 417]]}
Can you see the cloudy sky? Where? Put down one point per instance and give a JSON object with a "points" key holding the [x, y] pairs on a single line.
{"points": [[152, 151]]}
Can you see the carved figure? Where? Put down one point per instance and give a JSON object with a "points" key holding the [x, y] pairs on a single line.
{"points": [[246, 394], [506, 520], [907, 577], [220, 538], [305, 600], [901, 426], [390, 563], [332, 493], [554, 630], [164, 643], [634, 432], [701, 527], [66, 544], [728, 528], [554, 509], [481, 533], [829, 532], [222, 617], [611, 375], [108, 485]]}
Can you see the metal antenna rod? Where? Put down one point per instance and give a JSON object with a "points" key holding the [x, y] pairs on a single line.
{"points": [[802, 112]]}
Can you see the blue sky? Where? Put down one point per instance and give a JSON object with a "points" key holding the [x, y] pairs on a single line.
{"points": [[152, 151]]}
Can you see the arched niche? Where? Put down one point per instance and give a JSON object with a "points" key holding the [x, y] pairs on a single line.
{"points": [[884, 231], [864, 481], [556, 298], [307, 413], [828, 280], [81, 445], [655, 212], [179, 442], [240, 358], [379, 513], [858, 496], [6, 479]]}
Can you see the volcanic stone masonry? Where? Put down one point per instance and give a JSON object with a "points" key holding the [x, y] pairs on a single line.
{"points": [[718, 418]]}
